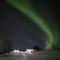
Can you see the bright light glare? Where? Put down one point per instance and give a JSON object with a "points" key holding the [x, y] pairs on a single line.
{"points": [[16, 51], [30, 50]]}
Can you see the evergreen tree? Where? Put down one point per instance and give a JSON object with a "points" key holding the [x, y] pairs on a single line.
{"points": [[36, 48]]}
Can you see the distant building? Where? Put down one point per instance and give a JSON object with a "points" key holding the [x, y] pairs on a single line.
{"points": [[6, 46], [5, 43]]}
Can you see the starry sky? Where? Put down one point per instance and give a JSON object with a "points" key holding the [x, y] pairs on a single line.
{"points": [[24, 33]]}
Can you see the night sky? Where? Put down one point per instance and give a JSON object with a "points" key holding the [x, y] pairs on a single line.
{"points": [[24, 33]]}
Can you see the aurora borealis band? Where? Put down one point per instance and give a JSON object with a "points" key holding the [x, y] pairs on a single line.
{"points": [[25, 6]]}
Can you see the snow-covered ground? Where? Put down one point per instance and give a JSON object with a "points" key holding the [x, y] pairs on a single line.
{"points": [[32, 56]]}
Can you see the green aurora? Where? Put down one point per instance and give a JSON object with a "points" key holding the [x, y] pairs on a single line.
{"points": [[25, 6]]}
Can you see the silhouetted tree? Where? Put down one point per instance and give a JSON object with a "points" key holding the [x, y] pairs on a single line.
{"points": [[36, 48]]}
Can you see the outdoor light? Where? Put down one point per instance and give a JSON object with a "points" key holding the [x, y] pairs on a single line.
{"points": [[16, 51], [30, 50]]}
